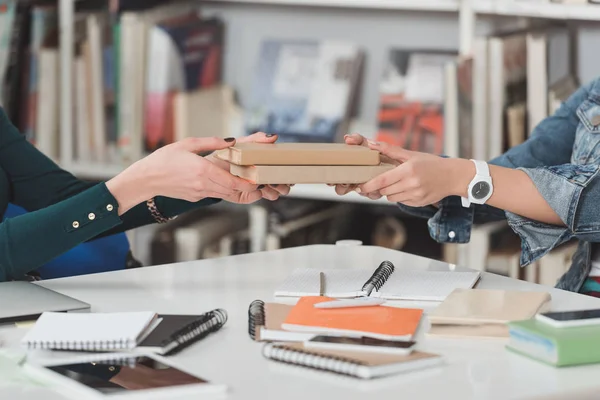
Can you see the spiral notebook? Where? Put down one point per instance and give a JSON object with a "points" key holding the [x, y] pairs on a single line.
{"points": [[362, 365], [128, 331], [265, 322], [380, 322], [89, 331], [176, 332], [385, 282]]}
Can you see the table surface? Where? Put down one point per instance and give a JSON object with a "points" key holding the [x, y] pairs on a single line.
{"points": [[473, 368]]}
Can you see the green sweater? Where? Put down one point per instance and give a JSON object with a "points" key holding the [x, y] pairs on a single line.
{"points": [[63, 211]]}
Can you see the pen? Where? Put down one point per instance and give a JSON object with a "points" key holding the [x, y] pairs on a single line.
{"points": [[321, 284]]}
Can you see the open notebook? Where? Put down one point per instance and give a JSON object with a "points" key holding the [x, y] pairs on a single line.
{"points": [[385, 282]]}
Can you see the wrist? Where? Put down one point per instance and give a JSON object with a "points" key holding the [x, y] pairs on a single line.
{"points": [[461, 172], [128, 190]]}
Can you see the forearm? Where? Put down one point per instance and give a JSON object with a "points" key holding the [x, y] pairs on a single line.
{"points": [[513, 191]]}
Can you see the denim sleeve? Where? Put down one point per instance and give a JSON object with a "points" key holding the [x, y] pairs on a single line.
{"points": [[571, 190], [550, 144]]}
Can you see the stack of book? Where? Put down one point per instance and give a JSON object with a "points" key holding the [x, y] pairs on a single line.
{"points": [[559, 339], [299, 163], [340, 323]]}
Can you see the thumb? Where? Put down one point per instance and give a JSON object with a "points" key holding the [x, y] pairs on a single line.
{"points": [[199, 145], [258, 137], [394, 152]]}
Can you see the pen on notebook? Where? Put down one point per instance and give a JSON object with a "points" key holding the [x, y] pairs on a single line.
{"points": [[321, 284]]}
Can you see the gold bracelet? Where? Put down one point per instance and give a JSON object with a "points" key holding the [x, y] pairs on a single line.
{"points": [[158, 217]]}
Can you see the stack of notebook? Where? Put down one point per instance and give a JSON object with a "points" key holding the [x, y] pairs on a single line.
{"points": [[289, 330], [121, 332], [298, 163]]}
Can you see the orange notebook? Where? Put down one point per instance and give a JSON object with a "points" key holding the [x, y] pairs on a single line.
{"points": [[382, 322]]}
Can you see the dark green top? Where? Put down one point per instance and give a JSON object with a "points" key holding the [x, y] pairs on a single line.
{"points": [[63, 211]]}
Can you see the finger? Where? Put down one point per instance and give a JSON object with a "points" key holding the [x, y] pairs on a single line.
{"points": [[199, 145], [258, 137], [355, 139], [225, 179], [386, 179], [374, 195], [397, 188], [246, 197], [269, 193], [344, 189], [283, 190], [394, 152], [403, 198]]}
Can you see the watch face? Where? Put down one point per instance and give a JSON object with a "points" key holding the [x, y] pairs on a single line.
{"points": [[480, 190]]}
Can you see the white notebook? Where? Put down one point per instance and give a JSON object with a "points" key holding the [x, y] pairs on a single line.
{"points": [[385, 282], [89, 331]]}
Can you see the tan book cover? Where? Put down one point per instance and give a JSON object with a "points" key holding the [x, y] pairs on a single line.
{"points": [[483, 306], [489, 331], [299, 154], [371, 359], [309, 174]]}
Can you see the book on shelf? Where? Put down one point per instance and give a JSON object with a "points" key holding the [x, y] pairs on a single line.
{"points": [[304, 90], [507, 79], [184, 55], [411, 96], [549, 56]]}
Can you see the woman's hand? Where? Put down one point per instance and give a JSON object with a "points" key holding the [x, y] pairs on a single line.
{"points": [[359, 140], [269, 192], [420, 179], [177, 171]]}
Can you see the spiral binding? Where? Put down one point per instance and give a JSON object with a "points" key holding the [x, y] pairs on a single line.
{"points": [[94, 345], [330, 363], [210, 322], [379, 277], [256, 317]]}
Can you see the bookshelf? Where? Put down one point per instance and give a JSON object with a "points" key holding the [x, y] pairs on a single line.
{"points": [[466, 11]]}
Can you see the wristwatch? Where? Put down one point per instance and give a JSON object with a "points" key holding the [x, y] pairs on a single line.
{"points": [[480, 188]]}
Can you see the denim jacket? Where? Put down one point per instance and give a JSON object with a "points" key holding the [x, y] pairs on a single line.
{"points": [[561, 157]]}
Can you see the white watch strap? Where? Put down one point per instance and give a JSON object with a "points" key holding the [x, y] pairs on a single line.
{"points": [[481, 168]]}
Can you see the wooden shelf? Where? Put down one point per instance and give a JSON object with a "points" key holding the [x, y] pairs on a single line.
{"points": [[532, 9], [408, 5]]}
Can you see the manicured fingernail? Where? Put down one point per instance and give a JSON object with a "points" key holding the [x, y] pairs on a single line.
{"points": [[372, 143], [270, 134], [261, 187], [358, 190], [229, 139]]}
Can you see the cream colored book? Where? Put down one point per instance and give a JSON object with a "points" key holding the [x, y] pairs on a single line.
{"points": [[310, 174], [483, 306], [299, 154]]}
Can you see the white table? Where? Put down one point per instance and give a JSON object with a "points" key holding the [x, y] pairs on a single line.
{"points": [[475, 369]]}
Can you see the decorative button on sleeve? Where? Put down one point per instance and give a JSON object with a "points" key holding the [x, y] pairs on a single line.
{"points": [[91, 216], [75, 224], [109, 207]]}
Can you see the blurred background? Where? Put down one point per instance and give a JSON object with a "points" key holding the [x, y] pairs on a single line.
{"points": [[97, 84]]}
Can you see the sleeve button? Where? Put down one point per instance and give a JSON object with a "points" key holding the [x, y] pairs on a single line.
{"points": [[91, 216], [75, 224], [451, 234], [109, 207]]}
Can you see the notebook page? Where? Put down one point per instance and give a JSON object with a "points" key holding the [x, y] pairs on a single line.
{"points": [[81, 329], [339, 283], [425, 285]]}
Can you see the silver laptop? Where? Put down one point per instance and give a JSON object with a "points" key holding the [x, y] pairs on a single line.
{"points": [[24, 301]]}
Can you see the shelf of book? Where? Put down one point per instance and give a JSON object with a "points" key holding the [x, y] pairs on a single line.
{"points": [[408, 5], [538, 9]]}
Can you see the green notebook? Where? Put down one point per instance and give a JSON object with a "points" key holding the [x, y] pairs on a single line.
{"points": [[559, 347]]}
